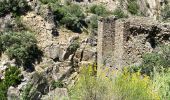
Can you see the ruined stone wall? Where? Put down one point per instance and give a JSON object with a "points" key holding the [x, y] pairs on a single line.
{"points": [[120, 40], [145, 35], [125, 42], [106, 36]]}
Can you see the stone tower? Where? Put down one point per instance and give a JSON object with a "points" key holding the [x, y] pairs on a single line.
{"points": [[106, 36], [112, 36]]}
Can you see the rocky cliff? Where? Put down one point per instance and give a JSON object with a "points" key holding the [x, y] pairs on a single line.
{"points": [[119, 42]]}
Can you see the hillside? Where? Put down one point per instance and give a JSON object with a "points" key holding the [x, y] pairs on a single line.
{"points": [[84, 49]]}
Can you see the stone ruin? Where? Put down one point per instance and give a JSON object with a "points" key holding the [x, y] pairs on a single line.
{"points": [[122, 42]]}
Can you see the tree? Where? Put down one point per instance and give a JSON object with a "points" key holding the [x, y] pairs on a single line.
{"points": [[21, 46], [14, 6]]}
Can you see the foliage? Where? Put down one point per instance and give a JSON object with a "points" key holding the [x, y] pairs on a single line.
{"points": [[93, 22], [26, 91], [134, 86], [1, 44], [85, 88], [119, 13], [36, 84], [99, 10], [73, 46], [166, 12], [133, 7], [71, 16], [12, 78], [161, 81], [48, 1], [116, 86], [3, 91], [57, 84], [20, 46], [19, 25], [14, 6], [157, 60]]}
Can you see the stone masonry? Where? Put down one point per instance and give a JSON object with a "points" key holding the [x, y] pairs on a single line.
{"points": [[106, 41], [122, 42]]}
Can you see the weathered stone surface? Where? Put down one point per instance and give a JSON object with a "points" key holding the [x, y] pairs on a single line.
{"points": [[42, 28], [65, 69], [36, 96], [124, 44], [10, 23], [106, 38], [38, 86], [92, 41], [13, 93], [54, 52], [85, 55], [58, 93], [72, 47]]}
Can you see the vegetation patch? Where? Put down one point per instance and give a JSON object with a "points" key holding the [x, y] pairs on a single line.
{"points": [[21, 46], [12, 78], [15, 6], [99, 10], [123, 86], [119, 13], [48, 1], [71, 16], [156, 61], [133, 7], [166, 12], [57, 84]]}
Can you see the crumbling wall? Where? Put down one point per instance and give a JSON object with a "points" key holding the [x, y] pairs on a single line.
{"points": [[145, 35], [120, 36], [124, 43], [106, 36]]}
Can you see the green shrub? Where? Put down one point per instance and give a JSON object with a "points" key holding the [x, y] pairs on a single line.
{"points": [[85, 88], [99, 10], [14, 6], [74, 45], [20, 46], [71, 16], [161, 81], [133, 7], [119, 13], [150, 61], [93, 22], [48, 1], [134, 86], [12, 78], [1, 45], [57, 84], [116, 86], [26, 92], [157, 60], [3, 91], [166, 12], [2, 8]]}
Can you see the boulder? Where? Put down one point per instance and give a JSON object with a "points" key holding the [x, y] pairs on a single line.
{"points": [[54, 52], [36, 96], [36, 87], [6, 22], [92, 41], [13, 93], [71, 48], [85, 55]]}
